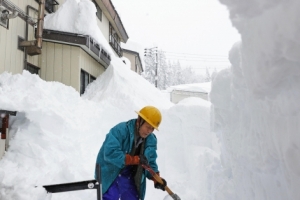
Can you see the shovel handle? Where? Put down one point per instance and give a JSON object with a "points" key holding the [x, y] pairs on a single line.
{"points": [[157, 178]]}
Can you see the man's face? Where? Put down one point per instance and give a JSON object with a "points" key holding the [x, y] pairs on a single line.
{"points": [[145, 130]]}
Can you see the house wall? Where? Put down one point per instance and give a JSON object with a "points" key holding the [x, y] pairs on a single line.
{"points": [[104, 26], [178, 95], [62, 63], [11, 58], [2, 147], [131, 58], [135, 63]]}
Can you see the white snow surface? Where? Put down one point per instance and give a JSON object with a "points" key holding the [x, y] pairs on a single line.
{"points": [[255, 110], [192, 87], [56, 134]]}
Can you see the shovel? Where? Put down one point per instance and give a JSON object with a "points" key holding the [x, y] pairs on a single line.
{"points": [[158, 179]]}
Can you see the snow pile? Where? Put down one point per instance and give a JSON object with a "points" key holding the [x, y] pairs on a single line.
{"points": [[193, 87], [130, 86], [77, 16], [56, 134], [256, 104]]}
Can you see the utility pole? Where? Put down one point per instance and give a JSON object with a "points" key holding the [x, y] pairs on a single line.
{"points": [[148, 52]]}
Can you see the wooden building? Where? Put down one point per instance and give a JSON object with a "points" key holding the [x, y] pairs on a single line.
{"points": [[69, 58]]}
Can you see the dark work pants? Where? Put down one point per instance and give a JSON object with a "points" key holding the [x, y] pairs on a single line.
{"points": [[123, 187]]}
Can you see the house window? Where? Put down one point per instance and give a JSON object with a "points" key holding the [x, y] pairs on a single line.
{"points": [[114, 41], [85, 79], [32, 68], [49, 5], [99, 11], [3, 21]]}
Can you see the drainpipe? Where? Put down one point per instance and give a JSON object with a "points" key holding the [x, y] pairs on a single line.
{"points": [[35, 47], [39, 33]]}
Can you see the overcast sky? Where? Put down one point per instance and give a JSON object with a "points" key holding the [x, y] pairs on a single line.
{"points": [[197, 32]]}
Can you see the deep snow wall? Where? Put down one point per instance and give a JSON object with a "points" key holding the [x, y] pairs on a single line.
{"points": [[255, 104]]}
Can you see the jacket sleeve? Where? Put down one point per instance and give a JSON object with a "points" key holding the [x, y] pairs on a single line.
{"points": [[112, 149], [150, 153]]}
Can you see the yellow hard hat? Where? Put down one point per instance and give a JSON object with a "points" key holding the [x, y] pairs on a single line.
{"points": [[151, 115]]}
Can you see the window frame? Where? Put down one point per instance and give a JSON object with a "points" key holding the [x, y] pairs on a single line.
{"points": [[6, 25], [114, 41], [99, 11], [83, 81], [50, 5]]}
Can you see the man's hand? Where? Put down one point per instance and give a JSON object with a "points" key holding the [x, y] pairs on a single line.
{"points": [[143, 160], [135, 160], [160, 186]]}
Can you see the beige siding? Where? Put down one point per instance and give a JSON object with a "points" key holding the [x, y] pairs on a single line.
{"points": [[3, 50], [131, 58], [66, 65], [50, 61], [75, 72], [11, 58], [104, 27], [43, 61], [62, 63], [58, 64], [90, 65], [20, 54]]}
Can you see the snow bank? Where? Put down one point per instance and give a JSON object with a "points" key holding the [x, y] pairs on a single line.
{"points": [[258, 119], [56, 134], [193, 87]]}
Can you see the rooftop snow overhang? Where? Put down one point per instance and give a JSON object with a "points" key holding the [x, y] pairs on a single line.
{"points": [[110, 12], [86, 42]]}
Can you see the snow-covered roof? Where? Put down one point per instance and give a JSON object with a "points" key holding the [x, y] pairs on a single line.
{"points": [[193, 87]]}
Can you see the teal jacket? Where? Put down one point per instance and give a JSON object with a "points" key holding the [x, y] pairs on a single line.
{"points": [[111, 156]]}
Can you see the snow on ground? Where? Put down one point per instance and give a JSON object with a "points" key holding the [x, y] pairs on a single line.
{"points": [[56, 134], [255, 113], [192, 87]]}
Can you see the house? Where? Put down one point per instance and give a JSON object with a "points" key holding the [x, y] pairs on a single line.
{"points": [[179, 92], [134, 53], [66, 57], [70, 58]]}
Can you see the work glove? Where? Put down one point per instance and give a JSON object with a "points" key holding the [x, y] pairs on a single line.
{"points": [[143, 160], [135, 160], [160, 186]]}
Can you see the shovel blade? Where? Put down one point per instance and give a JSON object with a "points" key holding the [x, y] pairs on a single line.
{"points": [[175, 197]]}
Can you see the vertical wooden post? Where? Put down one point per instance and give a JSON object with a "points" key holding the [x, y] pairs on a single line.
{"points": [[4, 127]]}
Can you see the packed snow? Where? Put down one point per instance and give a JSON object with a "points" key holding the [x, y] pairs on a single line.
{"points": [[192, 87], [56, 134], [254, 112]]}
